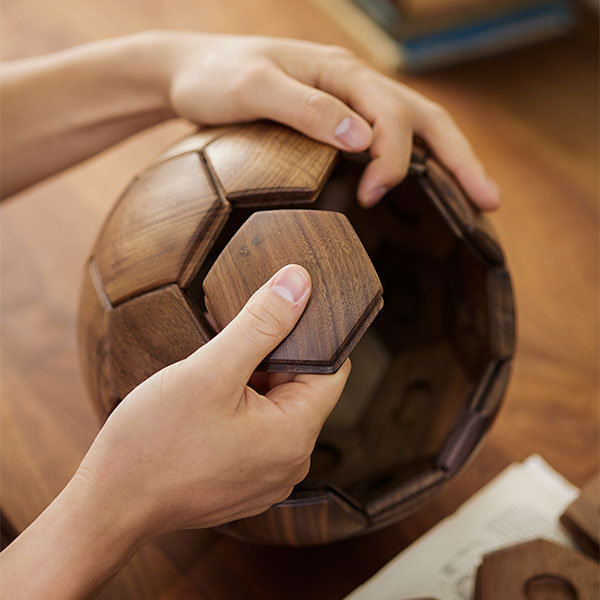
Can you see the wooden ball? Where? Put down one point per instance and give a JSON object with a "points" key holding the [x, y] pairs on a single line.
{"points": [[216, 214]]}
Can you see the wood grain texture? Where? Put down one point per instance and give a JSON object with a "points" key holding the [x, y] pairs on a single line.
{"points": [[150, 332], [94, 346], [582, 517], [537, 570], [544, 155], [310, 518], [145, 242], [191, 143], [451, 199], [262, 163], [346, 292]]}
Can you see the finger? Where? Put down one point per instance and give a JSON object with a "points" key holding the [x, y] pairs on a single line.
{"points": [[451, 146], [309, 399], [268, 317], [390, 158], [311, 111], [376, 99]]}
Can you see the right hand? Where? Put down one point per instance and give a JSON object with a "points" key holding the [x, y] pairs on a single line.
{"points": [[194, 446]]}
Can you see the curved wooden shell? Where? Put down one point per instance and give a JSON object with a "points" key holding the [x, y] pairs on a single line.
{"points": [[172, 222]]}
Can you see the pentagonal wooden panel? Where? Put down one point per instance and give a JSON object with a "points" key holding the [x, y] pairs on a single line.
{"points": [[150, 332], [94, 309], [265, 163], [346, 292], [162, 219], [306, 518], [537, 570], [192, 143]]}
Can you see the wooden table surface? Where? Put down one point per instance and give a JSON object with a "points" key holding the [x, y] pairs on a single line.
{"points": [[532, 115]]}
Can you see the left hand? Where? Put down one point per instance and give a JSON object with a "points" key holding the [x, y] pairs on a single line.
{"points": [[326, 93]]}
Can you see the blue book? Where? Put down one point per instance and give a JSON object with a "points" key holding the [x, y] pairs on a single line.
{"points": [[427, 44]]}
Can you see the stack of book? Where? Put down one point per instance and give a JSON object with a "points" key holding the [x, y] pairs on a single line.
{"points": [[420, 34]]}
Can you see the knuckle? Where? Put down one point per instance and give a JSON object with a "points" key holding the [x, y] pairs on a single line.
{"points": [[254, 76], [438, 114], [316, 104], [402, 112], [302, 472], [263, 321], [340, 52], [284, 494]]}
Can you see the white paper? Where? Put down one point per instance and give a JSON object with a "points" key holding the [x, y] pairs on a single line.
{"points": [[523, 502]]}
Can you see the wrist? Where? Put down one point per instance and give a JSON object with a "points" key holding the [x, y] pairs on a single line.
{"points": [[82, 539]]}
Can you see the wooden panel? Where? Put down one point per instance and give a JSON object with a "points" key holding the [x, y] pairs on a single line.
{"points": [[161, 219], [264, 163], [416, 407], [94, 314], [150, 332], [346, 292], [501, 313], [191, 143], [451, 199], [306, 518], [537, 570], [582, 517]]}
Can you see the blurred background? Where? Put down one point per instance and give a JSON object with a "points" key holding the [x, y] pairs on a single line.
{"points": [[520, 77]]}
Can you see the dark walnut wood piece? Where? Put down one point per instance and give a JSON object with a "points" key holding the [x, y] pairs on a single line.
{"points": [[213, 217], [582, 517], [537, 570], [346, 292]]}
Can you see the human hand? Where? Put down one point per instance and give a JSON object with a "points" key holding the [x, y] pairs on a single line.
{"points": [[194, 446], [324, 92]]}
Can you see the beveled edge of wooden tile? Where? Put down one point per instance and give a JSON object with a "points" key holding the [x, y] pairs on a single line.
{"points": [[458, 211], [269, 196]]}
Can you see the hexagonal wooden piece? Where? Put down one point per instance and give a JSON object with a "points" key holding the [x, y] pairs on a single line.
{"points": [[346, 291], [264, 163], [537, 570]]}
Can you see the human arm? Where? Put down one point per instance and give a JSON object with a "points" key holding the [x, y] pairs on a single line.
{"points": [[62, 108], [191, 447]]}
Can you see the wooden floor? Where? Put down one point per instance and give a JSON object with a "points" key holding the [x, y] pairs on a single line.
{"points": [[533, 117]]}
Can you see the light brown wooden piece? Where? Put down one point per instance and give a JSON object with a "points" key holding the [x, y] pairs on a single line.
{"points": [[94, 351], [537, 570], [145, 243], [190, 143], [263, 164], [582, 517], [346, 292], [150, 332]]}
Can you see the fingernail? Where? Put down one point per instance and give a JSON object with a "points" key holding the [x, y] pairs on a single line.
{"points": [[351, 133], [290, 283], [375, 196]]}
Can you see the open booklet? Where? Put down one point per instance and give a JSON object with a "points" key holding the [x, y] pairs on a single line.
{"points": [[523, 502]]}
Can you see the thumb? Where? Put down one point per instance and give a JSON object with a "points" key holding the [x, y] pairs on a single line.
{"points": [[264, 322]]}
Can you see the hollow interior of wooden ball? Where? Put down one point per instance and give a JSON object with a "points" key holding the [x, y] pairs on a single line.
{"points": [[419, 362]]}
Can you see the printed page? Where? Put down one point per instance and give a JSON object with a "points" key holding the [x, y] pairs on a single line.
{"points": [[523, 502]]}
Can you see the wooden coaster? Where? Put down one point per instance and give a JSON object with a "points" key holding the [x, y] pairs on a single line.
{"points": [[582, 518], [346, 291], [537, 570]]}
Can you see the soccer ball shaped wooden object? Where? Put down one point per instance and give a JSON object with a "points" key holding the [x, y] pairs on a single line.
{"points": [[197, 232]]}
